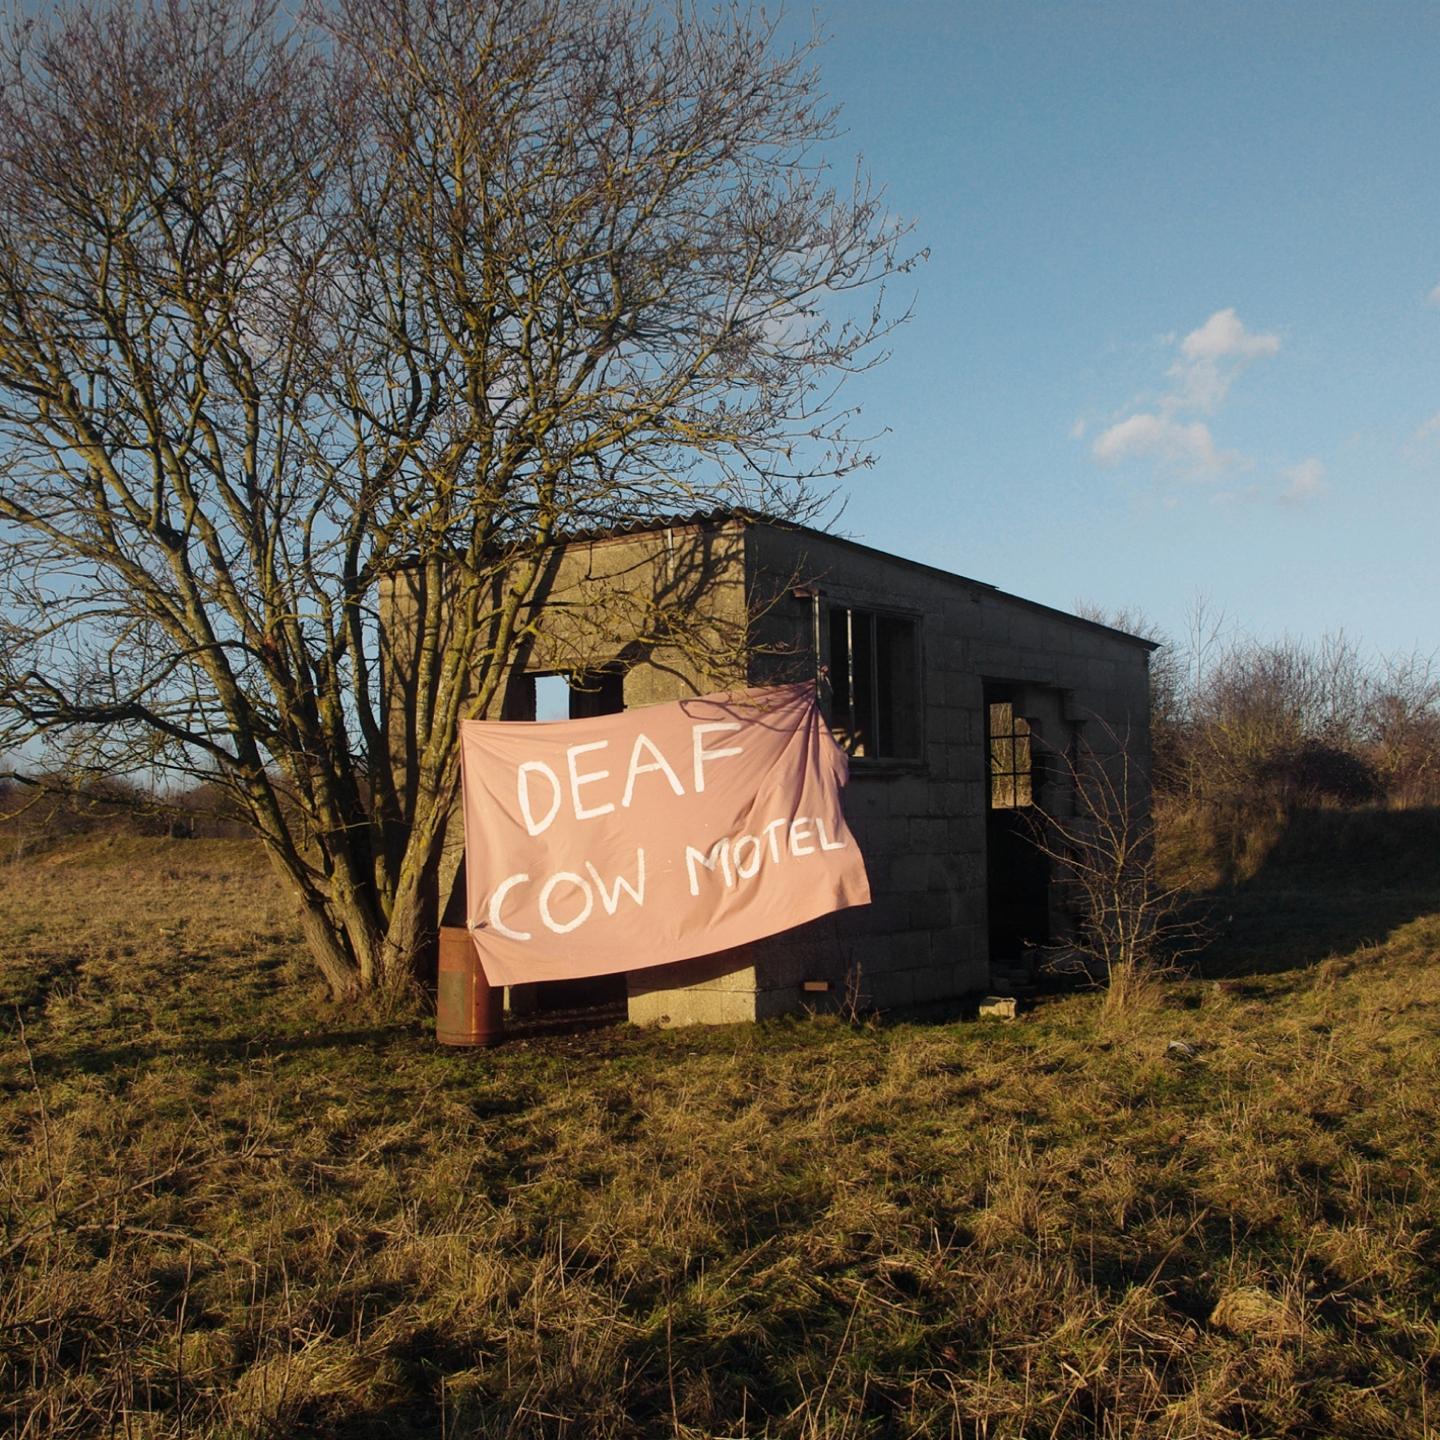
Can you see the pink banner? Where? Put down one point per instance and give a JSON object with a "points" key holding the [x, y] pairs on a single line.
{"points": [[596, 846]]}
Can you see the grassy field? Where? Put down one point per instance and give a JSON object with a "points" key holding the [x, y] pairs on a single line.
{"points": [[232, 1210]]}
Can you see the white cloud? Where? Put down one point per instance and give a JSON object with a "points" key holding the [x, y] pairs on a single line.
{"points": [[1306, 480], [1422, 446], [1433, 298], [1223, 334], [1212, 356], [1077, 430], [1168, 432], [1177, 444]]}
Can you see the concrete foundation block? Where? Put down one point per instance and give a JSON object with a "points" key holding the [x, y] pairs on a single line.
{"points": [[726, 970], [998, 1007], [671, 1008]]}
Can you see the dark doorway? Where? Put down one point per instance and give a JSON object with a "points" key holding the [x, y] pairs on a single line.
{"points": [[1017, 874]]}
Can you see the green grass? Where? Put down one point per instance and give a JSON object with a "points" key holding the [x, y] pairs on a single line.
{"points": [[232, 1209]]}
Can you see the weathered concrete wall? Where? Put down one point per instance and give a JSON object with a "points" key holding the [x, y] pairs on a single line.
{"points": [[669, 605], [690, 609], [922, 823]]}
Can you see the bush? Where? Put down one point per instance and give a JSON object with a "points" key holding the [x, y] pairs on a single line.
{"points": [[1238, 723], [1313, 771], [1403, 728]]}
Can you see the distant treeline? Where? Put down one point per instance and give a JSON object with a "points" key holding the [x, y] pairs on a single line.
{"points": [[1242, 722], [51, 805]]}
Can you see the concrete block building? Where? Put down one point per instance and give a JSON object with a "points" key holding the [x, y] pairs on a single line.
{"points": [[956, 701]]}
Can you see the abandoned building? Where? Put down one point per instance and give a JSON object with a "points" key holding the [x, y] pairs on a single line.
{"points": [[956, 702]]}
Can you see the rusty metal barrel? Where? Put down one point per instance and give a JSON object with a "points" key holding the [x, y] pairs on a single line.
{"points": [[468, 1011]]}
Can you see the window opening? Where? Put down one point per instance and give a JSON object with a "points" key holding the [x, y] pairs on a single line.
{"points": [[874, 684], [552, 697], [581, 695], [597, 692], [1012, 761]]}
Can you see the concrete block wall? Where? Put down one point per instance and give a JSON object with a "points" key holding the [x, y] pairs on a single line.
{"points": [[922, 825], [921, 822], [667, 604]]}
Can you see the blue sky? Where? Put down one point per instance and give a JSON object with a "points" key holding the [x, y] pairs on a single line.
{"points": [[1179, 333]]}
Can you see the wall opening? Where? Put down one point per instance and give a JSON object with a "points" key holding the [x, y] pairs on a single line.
{"points": [[874, 691], [1017, 874], [572, 695], [552, 697]]}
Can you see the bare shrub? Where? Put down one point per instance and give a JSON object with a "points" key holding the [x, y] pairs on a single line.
{"points": [[1132, 925], [1402, 729], [39, 808], [1171, 674], [1244, 731], [1313, 771], [385, 297]]}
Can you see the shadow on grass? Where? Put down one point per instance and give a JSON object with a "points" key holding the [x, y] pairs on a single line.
{"points": [[1332, 882], [103, 1059]]}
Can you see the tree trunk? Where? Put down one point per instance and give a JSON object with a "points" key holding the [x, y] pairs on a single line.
{"points": [[409, 941], [414, 913], [328, 951], [324, 938]]}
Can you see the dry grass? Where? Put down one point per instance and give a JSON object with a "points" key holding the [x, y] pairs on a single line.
{"points": [[231, 1211]]}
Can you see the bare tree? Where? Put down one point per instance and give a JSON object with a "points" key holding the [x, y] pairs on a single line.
{"points": [[1100, 842], [288, 305]]}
